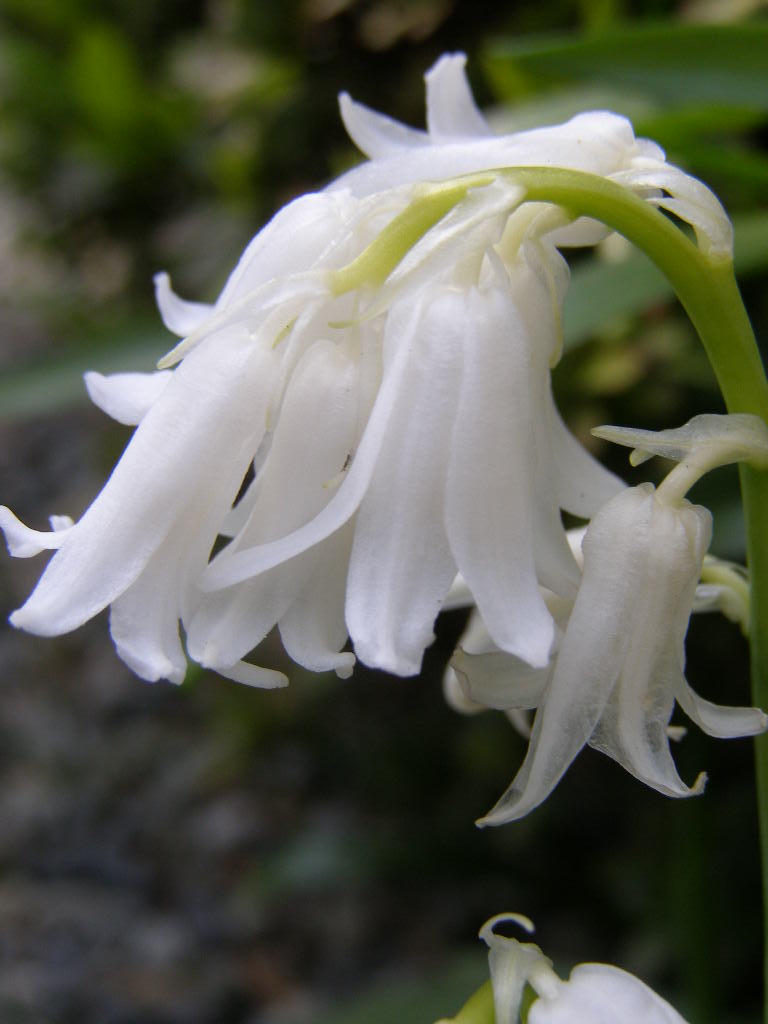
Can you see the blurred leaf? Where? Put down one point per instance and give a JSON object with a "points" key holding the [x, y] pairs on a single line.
{"points": [[676, 124], [32, 86], [48, 15], [116, 112], [410, 1002], [106, 79], [58, 382], [675, 63], [662, 122], [705, 136], [731, 164], [604, 292], [559, 104]]}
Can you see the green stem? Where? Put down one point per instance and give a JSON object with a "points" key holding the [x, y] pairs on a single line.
{"points": [[706, 287], [708, 291], [754, 488]]}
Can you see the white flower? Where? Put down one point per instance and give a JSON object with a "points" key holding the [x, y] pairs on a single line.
{"points": [[594, 993], [380, 357], [619, 667]]}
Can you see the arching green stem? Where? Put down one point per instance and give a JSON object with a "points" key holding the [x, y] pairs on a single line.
{"points": [[706, 287], [708, 291]]}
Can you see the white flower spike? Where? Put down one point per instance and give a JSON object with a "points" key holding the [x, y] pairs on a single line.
{"points": [[380, 358]]}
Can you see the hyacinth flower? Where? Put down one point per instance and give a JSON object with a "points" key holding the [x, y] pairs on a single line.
{"points": [[619, 666], [522, 978], [380, 360]]}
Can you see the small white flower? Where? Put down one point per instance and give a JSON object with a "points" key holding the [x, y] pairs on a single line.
{"points": [[619, 666], [381, 358], [593, 994]]}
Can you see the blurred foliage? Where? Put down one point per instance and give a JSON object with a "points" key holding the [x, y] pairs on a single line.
{"points": [[139, 136]]}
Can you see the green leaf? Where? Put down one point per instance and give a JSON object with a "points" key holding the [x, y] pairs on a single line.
{"points": [[414, 1002], [677, 64], [57, 383], [47, 15]]}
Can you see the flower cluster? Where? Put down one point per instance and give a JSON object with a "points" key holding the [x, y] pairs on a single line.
{"points": [[363, 421]]}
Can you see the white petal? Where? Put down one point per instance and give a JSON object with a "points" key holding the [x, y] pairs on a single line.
{"points": [[715, 719], [688, 198], [59, 523], [459, 596], [538, 279], [126, 397], [229, 623], [499, 680], [451, 108], [24, 542], [313, 445], [556, 566], [489, 508], [597, 142], [634, 730], [512, 964], [603, 994], [641, 563], [475, 638], [375, 134], [401, 566], [187, 457], [583, 484], [144, 621], [455, 697], [267, 311], [664, 550], [240, 513], [588, 664], [313, 629], [250, 561], [292, 242], [179, 316], [254, 675], [313, 439]]}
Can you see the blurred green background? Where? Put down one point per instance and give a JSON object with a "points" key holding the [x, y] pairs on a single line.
{"points": [[214, 855]]}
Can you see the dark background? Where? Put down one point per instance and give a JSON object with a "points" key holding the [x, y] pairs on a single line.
{"points": [[217, 855]]}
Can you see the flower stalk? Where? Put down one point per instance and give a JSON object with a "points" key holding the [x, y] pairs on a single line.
{"points": [[705, 284], [707, 289]]}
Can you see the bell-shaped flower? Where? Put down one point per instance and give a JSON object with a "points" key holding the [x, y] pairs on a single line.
{"points": [[593, 994], [619, 665], [442, 478], [143, 543], [379, 361]]}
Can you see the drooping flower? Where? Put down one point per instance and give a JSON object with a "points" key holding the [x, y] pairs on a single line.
{"points": [[593, 994], [619, 666], [380, 357]]}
